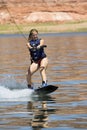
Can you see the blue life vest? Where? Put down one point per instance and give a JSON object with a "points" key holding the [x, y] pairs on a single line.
{"points": [[36, 54]]}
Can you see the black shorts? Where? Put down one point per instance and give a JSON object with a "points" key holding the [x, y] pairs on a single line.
{"points": [[38, 61]]}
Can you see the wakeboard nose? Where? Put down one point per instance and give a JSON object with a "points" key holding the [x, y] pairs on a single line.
{"points": [[46, 90]]}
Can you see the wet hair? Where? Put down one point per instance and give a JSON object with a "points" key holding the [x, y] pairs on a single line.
{"points": [[31, 32]]}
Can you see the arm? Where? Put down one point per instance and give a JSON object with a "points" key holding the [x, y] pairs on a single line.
{"points": [[41, 43], [28, 45]]}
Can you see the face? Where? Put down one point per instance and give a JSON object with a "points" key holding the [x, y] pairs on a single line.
{"points": [[34, 35]]}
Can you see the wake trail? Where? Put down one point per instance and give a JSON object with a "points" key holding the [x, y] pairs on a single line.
{"points": [[7, 94]]}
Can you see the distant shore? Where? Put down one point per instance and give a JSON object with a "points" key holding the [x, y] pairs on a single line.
{"points": [[75, 26]]}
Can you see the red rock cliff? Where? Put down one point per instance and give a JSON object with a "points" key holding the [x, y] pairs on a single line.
{"points": [[25, 11]]}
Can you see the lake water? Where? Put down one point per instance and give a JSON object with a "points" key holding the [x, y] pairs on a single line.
{"points": [[64, 109]]}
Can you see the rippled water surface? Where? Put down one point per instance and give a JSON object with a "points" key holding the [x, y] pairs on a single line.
{"points": [[64, 109]]}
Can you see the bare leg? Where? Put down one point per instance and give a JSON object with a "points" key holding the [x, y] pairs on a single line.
{"points": [[43, 67], [32, 69]]}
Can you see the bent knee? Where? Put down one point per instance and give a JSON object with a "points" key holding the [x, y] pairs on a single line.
{"points": [[42, 68]]}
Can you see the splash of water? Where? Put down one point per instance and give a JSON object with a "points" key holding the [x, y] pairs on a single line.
{"points": [[11, 90], [7, 94]]}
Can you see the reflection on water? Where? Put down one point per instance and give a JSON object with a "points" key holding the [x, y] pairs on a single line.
{"points": [[40, 116], [66, 108]]}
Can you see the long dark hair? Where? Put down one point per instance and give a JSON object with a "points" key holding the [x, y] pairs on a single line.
{"points": [[31, 32]]}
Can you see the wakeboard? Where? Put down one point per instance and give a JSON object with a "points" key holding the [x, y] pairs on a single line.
{"points": [[46, 90]]}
